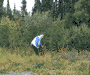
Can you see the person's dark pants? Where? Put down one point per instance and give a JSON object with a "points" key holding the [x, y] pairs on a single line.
{"points": [[35, 50]]}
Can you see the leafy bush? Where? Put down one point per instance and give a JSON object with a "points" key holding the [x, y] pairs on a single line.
{"points": [[6, 27], [4, 35], [55, 33], [80, 38], [10, 33], [53, 36], [68, 21], [81, 14]]}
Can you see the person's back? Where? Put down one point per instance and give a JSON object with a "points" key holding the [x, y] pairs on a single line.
{"points": [[33, 42], [36, 42]]}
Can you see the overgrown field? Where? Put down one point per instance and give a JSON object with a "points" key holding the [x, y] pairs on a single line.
{"points": [[17, 55], [63, 62]]}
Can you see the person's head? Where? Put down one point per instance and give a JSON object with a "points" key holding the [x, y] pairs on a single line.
{"points": [[41, 36]]}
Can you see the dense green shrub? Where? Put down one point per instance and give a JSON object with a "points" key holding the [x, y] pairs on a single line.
{"points": [[7, 32], [68, 21], [36, 19], [55, 33], [17, 39], [80, 38], [82, 12], [6, 26], [81, 15], [38, 24], [4, 35], [53, 36]]}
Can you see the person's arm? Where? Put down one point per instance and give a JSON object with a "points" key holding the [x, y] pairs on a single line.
{"points": [[40, 44], [31, 44]]}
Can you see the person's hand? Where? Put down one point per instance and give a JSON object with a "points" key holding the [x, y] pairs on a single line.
{"points": [[42, 46]]}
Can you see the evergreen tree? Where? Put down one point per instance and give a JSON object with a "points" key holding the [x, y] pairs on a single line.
{"points": [[1, 3], [60, 8], [56, 8], [53, 10], [46, 5], [80, 15], [14, 11], [4, 11], [64, 8], [37, 6], [23, 9], [70, 5], [9, 12], [51, 3], [1, 8], [42, 7], [73, 1], [18, 14]]}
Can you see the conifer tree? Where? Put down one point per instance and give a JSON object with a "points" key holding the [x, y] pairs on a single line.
{"points": [[9, 12], [23, 9], [70, 5], [1, 8], [14, 10], [60, 8], [53, 12], [46, 5], [4, 11], [37, 6], [43, 6], [16, 13], [51, 2], [1, 3]]}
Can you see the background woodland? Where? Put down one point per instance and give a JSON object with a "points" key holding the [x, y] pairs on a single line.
{"points": [[62, 21]]}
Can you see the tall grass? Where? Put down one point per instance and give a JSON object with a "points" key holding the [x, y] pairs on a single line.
{"points": [[63, 62]]}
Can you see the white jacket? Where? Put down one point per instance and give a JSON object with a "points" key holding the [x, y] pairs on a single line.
{"points": [[37, 40]]}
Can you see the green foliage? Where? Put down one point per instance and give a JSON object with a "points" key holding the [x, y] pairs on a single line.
{"points": [[37, 17], [1, 12], [16, 14], [55, 33], [46, 5], [4, 35], [79, 38], [27, 19], [82, 12], [9, 23], [68, 21], [41, 25], [80, 15], [17, 40], [37, 6], [23, 8], [7, 28], [9, 12]]}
